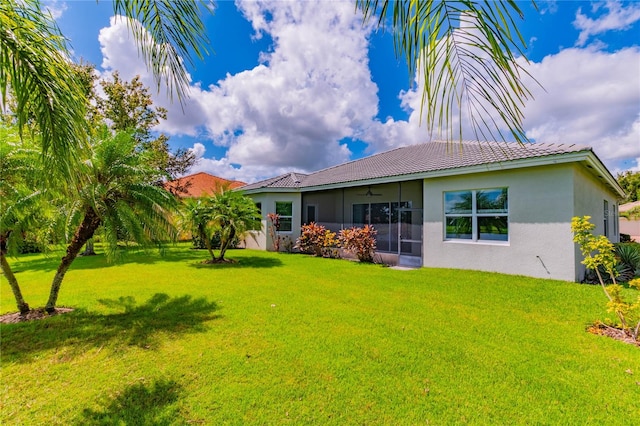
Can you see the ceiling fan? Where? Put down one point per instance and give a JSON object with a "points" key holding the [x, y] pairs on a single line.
{"points": [[369, 193]]}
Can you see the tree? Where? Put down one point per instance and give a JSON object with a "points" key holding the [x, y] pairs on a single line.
{"points": [[36, 73], [128, 106], [116, 193], [16, 215], [466, 53], [630, 182], [226, 214], [233, 215]]}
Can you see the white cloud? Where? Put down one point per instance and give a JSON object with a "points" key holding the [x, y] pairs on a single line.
{"points": [[589, 98], [617, 17], [55, 7], [314, 88]]}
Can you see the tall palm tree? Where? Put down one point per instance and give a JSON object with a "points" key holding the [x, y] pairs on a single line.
{"points": [[36, 72], [20, 204], [466, 54], [116, 192]]}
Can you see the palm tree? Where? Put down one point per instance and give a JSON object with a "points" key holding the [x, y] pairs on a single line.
{"points": [[233, 215], [225, 214], [43, 86], [466, 53], [116, 192], [19, 165]]}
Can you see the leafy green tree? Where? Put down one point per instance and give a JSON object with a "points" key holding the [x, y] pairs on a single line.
{"points": [[35, 71], [116, 194], [226, 214], [630, 182], [128, 106], [466, 53]]}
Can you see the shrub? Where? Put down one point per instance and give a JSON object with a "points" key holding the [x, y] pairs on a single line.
{"points": [[317, 240], [628, 255], [359, 241], [599, 254]]}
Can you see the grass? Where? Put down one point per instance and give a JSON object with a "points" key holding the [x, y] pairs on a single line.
{"points": [[291, 339]]}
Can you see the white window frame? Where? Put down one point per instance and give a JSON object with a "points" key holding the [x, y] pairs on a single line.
{"points": [[474, 215], [285, 216]]}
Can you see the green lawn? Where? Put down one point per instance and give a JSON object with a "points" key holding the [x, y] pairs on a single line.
{"points": [[291, 339]]}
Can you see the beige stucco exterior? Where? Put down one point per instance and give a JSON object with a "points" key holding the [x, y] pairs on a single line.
{"points": [[542, 201], [262, 240], [543, 197]]}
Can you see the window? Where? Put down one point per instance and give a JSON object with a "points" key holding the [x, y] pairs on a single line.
{"points": [[285, 210], [615, 222], [477, 215], [606, 218], [259, 207]]}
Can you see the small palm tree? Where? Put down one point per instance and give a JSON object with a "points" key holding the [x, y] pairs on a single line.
{"points": [[117, 193], [226, 214], [233, 215]]}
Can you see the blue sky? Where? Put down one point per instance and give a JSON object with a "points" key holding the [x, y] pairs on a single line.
{"points": [[304, 85]]}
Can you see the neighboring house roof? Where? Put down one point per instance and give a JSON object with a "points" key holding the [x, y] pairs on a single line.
{"points": [[438, 159], [200, 184]]}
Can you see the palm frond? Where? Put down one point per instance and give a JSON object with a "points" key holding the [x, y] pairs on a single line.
{"points": [[467, 53], [36, 74], [168, 33]]}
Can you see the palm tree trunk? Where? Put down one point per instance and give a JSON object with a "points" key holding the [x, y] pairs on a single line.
{"points": [[84, 232], [23, 307], [225, 244], [207, 243], [89, 250]]}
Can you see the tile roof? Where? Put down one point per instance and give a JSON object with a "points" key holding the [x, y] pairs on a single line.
{"points": [[422, 158], [199, 184], [288, 180]]}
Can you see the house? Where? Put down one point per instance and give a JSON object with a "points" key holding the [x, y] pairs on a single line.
{"points": [[488, 206], [630, 225], [200, 184]]}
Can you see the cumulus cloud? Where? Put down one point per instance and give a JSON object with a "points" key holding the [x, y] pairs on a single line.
{"points": [[617, 17], [313, 89], [55, 7], [590, 98]]}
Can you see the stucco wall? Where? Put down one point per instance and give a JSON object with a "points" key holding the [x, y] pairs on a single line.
{"points": [[262, 240], [540, 210]]}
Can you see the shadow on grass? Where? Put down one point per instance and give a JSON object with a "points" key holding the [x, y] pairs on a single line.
{"points": [[74, 333], [138, 404], [51, 261], [244, 262]]}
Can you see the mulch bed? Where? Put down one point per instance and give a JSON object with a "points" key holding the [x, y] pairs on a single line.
{"points": [[614, 333], [32, 315]]}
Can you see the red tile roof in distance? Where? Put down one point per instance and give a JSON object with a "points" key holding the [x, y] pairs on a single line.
{"points": [[200, 184]]}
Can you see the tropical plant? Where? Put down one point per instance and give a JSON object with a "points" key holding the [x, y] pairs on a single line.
{"points": [[467, 54], [223, 216], [234, 214], [117, 194], [317, 240], [274, 229], [359, 241], [599, 253], [19, 166], [628, 255]]}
